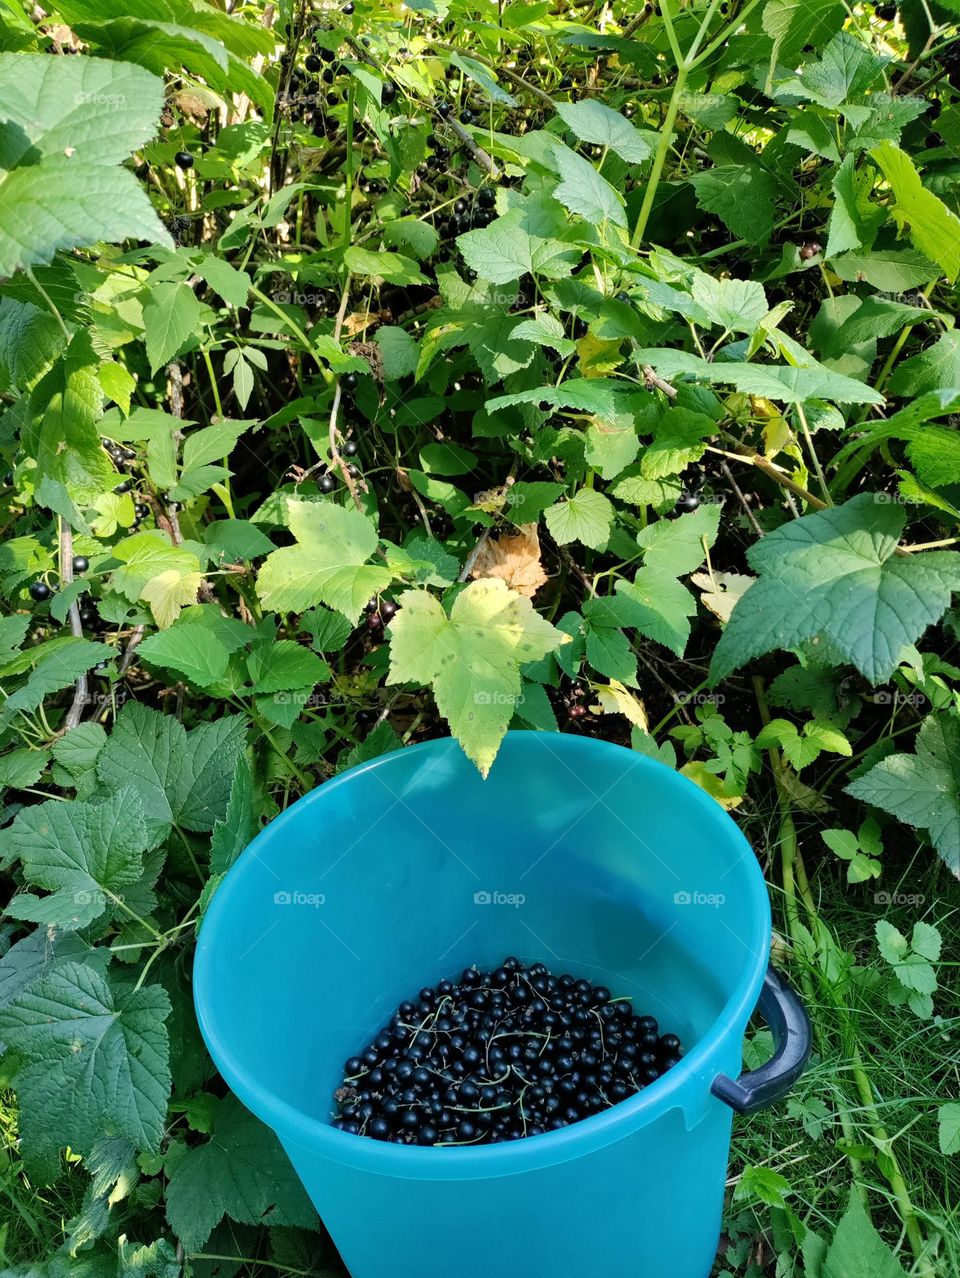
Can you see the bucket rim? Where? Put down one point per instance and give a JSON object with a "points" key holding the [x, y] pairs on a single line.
{"points": [[697, 1068]]}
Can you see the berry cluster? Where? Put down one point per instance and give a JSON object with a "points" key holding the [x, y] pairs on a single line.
{"points": [[465, 217], [497, 1056], [380, 612]]}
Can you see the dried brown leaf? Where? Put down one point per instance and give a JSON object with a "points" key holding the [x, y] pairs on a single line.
{"points": [[515, 558]]}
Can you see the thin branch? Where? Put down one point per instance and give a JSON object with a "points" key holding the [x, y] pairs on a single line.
{"points": [[126, 660], [335, 457], [81, 695], [652, 379], [477, 151], [751, 517], [474, 554]]}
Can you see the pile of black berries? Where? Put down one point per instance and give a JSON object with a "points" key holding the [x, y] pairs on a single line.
{"points": [[497, 1056]]}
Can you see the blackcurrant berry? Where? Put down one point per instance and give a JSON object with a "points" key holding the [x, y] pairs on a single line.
{"points": [[486, 197], [388, 609], [388, 92], [124, 487], [347, 8], [80, 563], [443, 110], [350, 448], [466, 116], [39, 590], [327, 483], [350, 381], [313, 63], [183, 160], [687, 502]]}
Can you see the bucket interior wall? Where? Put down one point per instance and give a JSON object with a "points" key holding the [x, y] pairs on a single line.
{"points": [[413, 869]]}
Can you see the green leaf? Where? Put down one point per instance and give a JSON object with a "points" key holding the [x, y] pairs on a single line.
{"points": [[77, 752], [239, 824], [934, 229], [833, 579], [58, 669], [482, 76], [593, 122], [773, 381], [611, 446], [741, 196], [70, 400], [875, 317], [392, 267], [447, 459], [327, 565], [213, 443], [505, 250], [240, 1172], [171, 320], [283, 666], [933, 369], [22, 767], [608, 648], [679, 437], [852, 222], [762, 1183], [83, 854], [232, 284], [857, 1250], [586, 517], [802, 747], [846, 69], [181, 777], [236, 539], [165, 576], [330, 630], [471, 658], [89, 1062], [889, 270], [410, 233], [843, 843], [735, 305], [582, 190], [29, 341], [62, 184], [398, 350], [922, 789], [190, 650], [948, 1123], [526, 501], [598, 395], [659, 606], [676, 546], [545, 330]]}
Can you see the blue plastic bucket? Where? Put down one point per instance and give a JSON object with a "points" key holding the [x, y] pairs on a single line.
{"points": [[583, 855]]}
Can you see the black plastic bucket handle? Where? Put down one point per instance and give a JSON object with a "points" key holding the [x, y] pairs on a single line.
{"points": [[790, 1025]]}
